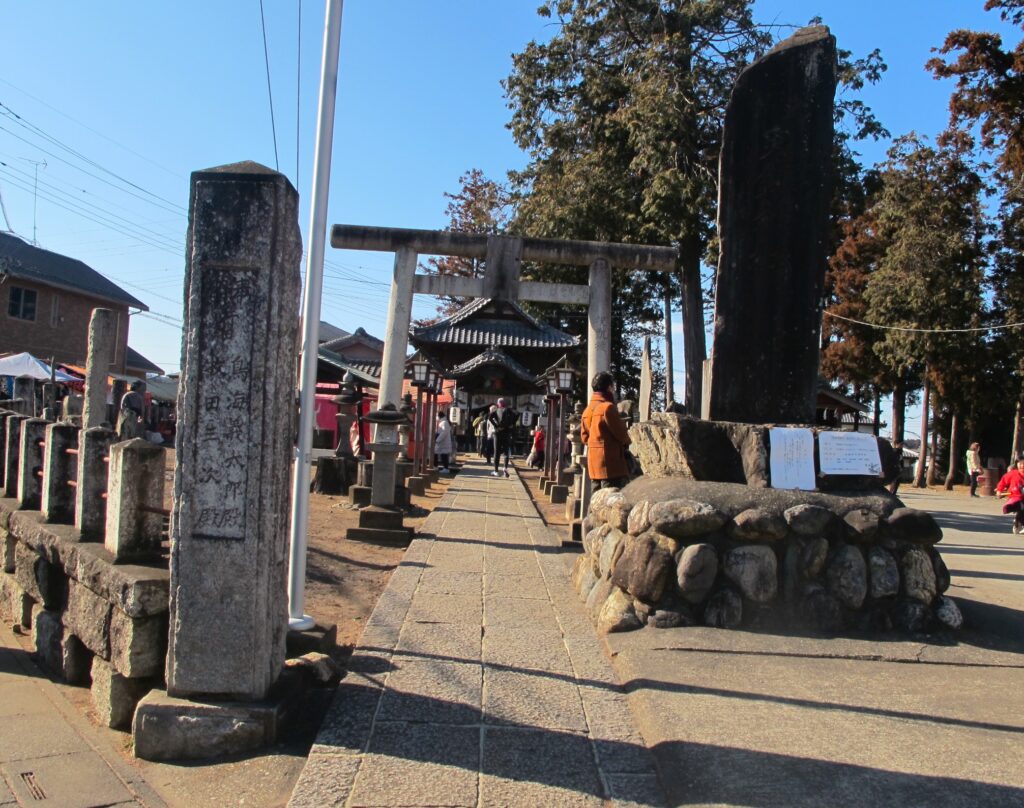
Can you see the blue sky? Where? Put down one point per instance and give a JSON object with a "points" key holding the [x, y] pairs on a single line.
{"points": [[149, 92]]}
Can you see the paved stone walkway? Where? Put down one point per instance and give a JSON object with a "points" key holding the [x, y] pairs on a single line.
{"points": [[49, 753], [479, 680]]}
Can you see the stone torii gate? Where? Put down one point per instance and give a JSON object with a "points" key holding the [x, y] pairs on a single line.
{"points": [[502, 256]]}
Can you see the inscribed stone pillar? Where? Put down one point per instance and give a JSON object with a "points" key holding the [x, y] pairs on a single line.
{"points": [[774, 192], [229, 523], [102, 333]]}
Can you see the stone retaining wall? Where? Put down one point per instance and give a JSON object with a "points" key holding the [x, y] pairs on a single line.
{"points": [[92, 621], [669, 552]]}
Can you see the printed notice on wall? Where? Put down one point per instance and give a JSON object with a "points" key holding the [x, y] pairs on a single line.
{"points": [[791, 459], [849, 453]]}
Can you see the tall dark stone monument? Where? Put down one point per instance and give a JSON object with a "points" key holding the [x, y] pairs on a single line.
{"points": [[774, 192]]}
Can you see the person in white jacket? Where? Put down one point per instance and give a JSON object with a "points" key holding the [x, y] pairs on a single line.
{"points": [[443, 442]]}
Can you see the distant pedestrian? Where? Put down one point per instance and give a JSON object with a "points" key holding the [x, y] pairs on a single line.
{"points": [[974, 466], [538, 447], [502, 419], [605, 435], [443, 442], [897, 466], [129, 418], [489, 434], [1011, 486], [480, 431]]}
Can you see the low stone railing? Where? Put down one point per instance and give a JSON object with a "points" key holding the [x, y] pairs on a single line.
{"points": [[81, 527]]}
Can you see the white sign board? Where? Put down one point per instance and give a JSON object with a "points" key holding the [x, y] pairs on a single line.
{"points": [[791, 459], [849, 453]]}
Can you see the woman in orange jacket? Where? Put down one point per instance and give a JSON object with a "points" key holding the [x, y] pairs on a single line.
{"points": [[605, 435]]}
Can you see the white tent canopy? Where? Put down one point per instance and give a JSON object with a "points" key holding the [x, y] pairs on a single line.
{"points": [[24, 364]]}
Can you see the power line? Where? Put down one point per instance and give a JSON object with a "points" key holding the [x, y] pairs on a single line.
{"points": [[160, 237], [25, 124], [926, 330], [270, 94], [298, 92], [109, 139], [111, 225], [94, 176]]}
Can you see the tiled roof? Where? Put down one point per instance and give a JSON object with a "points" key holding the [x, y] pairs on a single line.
{"points": [[492, 356], [487, 323], [136, 361], [359, 335], [20, 259], [362, 370], [330, 332]]}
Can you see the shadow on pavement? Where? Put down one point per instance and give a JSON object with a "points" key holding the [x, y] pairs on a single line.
{"points": [[703, 774]]}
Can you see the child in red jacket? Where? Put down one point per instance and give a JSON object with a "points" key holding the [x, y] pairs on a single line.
{"points": [[1011, 486]]}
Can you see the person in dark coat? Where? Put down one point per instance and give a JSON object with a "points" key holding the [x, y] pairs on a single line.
{"points": [[604, 433]]}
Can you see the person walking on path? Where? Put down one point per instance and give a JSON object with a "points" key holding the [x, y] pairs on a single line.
{"points": [[974, 466], [480, 431], [502, 419], [605, 435], [443, 441], [538, 447], [1011, 486]]}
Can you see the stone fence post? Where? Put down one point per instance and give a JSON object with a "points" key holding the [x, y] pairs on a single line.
{"points": [[30, 463], [102, 334], [90, 506], [135, 497], [60, 468], [13, 453]]}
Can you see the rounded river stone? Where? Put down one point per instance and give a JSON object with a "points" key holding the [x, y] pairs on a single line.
{"points": [[756, 524], [754, 569], [639, 518], [617, 613], [685, 518], [696, 571], [724, 610], [807, 520], [883, 573], [918, 576], [848, 576]]}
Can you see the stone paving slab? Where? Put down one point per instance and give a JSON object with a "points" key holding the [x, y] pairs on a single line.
{"points": [[479, 681], [49, 754]]}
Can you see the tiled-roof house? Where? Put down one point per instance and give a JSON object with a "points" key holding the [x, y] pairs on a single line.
{"points": [[47, 300]]}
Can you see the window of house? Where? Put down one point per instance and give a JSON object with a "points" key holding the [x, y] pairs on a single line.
{"points": [[22, 303]]}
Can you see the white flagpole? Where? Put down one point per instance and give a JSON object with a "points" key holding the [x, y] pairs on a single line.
{"points": [[297, 619]]}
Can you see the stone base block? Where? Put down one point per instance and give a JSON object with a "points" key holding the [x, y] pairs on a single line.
{"points": [[319, 638], [433, 475], [558, 494], [114, 696], [168, 728], [415, 485], [398, 538], [545, 483], [7, 544], [48, 638], [374, 516], [77, 661], [576, 531], [15, 604], [359, 495]]}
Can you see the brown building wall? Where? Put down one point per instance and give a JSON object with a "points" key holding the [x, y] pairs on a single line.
{"points": [[61, 327]]}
